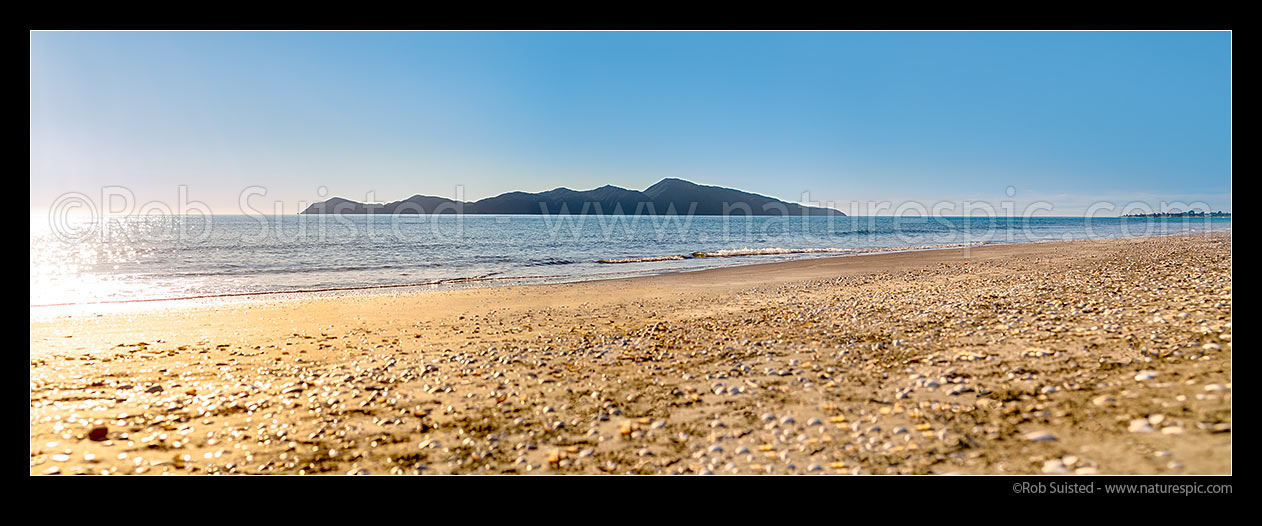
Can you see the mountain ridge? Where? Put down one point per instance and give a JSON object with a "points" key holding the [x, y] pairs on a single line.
{"points": [[668, 196]]}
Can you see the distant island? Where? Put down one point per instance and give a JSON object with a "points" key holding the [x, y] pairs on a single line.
{"points": [[1189, 213], [668, 196]]}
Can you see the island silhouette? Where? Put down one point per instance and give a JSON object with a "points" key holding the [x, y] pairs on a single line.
{"points": [[669, 196]]}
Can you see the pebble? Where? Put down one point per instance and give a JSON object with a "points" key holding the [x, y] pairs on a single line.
{"points": [[1144, 376], [98, 433], [1140, 425], [1054, 467], [1040, 436]]}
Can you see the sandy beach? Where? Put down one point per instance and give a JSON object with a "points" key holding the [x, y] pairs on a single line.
{"points": [[1086, 357]]}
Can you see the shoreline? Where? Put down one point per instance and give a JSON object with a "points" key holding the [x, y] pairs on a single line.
{"points": [[932, 361], [462, 283]]}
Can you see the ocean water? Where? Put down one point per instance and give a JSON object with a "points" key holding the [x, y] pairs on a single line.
{"points": [[139, 259]]}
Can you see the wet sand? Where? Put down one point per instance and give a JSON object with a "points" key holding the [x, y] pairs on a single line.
{"points": [[1077, 357]]}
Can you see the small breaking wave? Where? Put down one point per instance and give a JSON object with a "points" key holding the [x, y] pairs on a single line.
{"points": [[234, 270], [770, 252], [650, 259], [777, 251], [549, 261], [873, 250], [790, 251]]}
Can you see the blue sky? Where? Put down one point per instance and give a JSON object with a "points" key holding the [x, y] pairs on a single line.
{"points": [[1067, 117]]}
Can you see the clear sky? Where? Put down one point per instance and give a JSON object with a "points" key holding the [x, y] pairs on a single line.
{"points": [[1068, 117]]}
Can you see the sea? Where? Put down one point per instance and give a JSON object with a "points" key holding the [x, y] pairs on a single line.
{"points": [[119, 260]]}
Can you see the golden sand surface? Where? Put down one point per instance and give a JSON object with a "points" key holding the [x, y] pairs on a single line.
{"points": [[1068, 357]]}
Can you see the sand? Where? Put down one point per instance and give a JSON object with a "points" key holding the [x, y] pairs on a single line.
{"points": [[1070, 357]]}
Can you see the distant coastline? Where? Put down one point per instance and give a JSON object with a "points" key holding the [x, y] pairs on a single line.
{"points": [[1189, 213]]}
